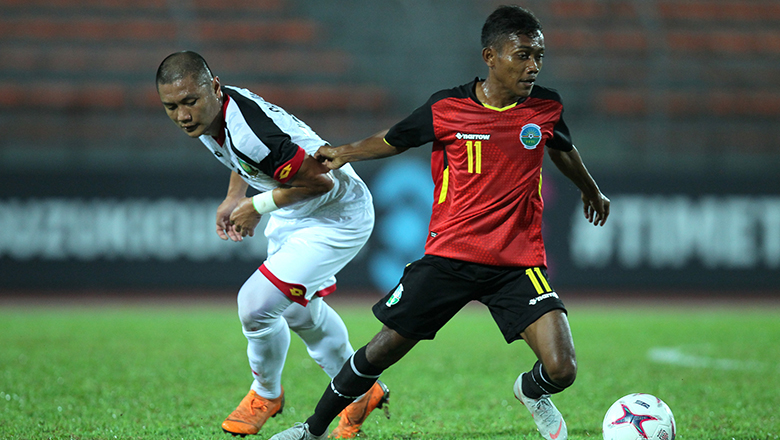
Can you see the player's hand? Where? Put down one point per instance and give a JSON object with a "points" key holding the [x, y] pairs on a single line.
{"points": [[328, 156], [596, 209], [225, 229], [244, 219]]}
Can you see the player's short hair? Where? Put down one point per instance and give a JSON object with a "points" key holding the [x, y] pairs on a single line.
{"points": [[506, 21], [182, 65]]}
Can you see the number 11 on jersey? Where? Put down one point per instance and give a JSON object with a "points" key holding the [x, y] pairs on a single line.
{"points": [[474, 151]]}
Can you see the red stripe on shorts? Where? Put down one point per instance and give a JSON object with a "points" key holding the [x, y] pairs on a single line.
{"points": [[296, 292]]}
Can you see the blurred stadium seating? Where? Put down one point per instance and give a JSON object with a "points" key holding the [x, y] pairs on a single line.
{"points": [[646, 82], [664, 98], [80, 75]]}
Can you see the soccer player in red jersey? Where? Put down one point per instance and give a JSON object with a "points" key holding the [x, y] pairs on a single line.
{"points": [[484, 240]]}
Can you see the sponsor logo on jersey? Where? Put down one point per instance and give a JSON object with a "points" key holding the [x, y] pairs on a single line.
{"points": [[396, 296], [531, 136], [533, 301], [472, 136], [296, 292], [249, 169]]}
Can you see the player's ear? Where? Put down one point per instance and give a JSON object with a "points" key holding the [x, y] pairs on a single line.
{"points": [[215, 85], [489, 55]]}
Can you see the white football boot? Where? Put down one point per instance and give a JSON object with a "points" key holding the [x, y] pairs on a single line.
{"points": [[549, 420], [300, 431]]}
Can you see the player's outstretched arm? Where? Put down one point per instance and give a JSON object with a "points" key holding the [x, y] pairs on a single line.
{"points": [[595, 204], [373, 147]]}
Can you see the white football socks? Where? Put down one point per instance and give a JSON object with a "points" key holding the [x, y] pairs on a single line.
{"points": [[325, 336], [267, 351]]}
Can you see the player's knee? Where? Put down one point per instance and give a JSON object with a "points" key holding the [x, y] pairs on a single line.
{"points": [[253, 319], [248, 323], [260, 306], [563, 372]]}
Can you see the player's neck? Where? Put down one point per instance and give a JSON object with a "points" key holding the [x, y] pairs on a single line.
{"points": [[494, 95], [216, 128]]}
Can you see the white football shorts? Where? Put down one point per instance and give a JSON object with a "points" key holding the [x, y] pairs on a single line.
{"points": [[305, 254]]}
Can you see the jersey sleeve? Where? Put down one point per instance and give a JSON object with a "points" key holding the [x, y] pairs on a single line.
{"points": [[415, 130], [561, 139], [261, 145]]}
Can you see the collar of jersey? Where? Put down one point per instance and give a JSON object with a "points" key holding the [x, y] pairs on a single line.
{"points": [[221, 138], [498, 109], [473, 94]]}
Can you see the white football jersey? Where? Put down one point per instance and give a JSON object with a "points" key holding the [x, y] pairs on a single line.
{"points": [[266, 146]]}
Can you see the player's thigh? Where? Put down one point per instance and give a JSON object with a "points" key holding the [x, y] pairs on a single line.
{"points": [[309, 252], [429, 294], [518, 298]]}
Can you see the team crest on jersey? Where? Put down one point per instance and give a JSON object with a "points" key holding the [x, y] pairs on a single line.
{"points": [[249, 169], [396, 296], [531, 136]]}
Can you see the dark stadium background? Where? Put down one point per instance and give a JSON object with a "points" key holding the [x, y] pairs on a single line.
{"points": [[673, 104]]}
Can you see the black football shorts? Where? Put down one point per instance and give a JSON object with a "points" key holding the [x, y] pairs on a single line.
{"points": [[433, 289]]}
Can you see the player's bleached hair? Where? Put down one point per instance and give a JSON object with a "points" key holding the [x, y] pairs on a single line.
{"points": [[182, 65], [506, 21]]}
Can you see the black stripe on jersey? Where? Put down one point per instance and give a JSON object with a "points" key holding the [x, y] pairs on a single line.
{"points": [[540, 92], [415, 130], [561, 139], [281, 145], [240, 154]]}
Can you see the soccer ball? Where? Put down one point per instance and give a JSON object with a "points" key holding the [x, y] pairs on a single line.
{"points": [[639, 417]]}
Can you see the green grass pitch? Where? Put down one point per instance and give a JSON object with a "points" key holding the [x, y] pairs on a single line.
{"points": [[168, 372]]}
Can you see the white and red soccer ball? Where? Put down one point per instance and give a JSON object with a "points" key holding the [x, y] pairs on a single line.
{"points": [[639, 417]]}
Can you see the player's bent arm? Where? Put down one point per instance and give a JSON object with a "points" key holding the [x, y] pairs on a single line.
{"points": [[311, 180], [372, 147], [235, 193]]}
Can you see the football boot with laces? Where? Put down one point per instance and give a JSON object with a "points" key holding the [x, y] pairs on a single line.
{"points": [[252, 413], [549, 420], [353, 416]]}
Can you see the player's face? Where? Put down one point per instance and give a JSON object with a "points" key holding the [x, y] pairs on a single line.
{"points": [[514, 67], [194, 107]]}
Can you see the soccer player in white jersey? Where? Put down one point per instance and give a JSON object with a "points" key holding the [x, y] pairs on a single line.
{"points": [[318, 221]]}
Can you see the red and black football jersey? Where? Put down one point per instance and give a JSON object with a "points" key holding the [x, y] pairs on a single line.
{"points": [[486, 165]]}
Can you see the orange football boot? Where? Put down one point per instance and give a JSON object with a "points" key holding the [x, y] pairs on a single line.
{"points": [[353, 416], [252, 413]]}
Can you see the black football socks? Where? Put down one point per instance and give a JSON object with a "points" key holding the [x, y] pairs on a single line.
{"points": [[356, 377], [536, 383]]}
